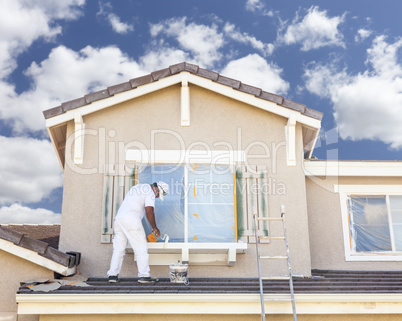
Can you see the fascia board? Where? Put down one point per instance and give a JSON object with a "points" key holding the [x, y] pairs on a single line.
{"points": [[54, 143], [194, 79], [190, 303], [345, 168], [116, 99], [34, 257]]}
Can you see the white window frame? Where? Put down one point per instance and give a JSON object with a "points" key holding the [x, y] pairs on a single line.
{"points": [[345, 191], [199, 253]]}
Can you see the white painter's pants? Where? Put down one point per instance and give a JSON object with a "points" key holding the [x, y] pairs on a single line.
{"points": [[134, 234]]}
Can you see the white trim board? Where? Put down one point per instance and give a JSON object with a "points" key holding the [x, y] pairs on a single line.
{"points": [[194, 253], [350, 168], [189, 156], [190, 303]]}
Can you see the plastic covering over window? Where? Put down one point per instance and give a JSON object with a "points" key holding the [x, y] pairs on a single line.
{"points": [[376, 223], [211, 204], [200, 195], [369, 224]]}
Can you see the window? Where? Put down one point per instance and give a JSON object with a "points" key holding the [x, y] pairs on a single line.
{"points": [[208, 213], [200, 206], [372, 222]]}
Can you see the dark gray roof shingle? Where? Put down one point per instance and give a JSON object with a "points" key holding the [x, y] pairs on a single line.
{"points": [[321, 281], [172, 70], [33, 237]]}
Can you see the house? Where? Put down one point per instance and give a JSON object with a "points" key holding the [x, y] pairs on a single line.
{"points": [[228, 151]]}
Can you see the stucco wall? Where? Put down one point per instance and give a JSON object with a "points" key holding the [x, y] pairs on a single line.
{"points": [[13, 271], [325, 223], [214, 119]]}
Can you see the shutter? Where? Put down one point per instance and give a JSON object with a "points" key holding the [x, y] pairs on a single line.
{"points": [[251, 199], [115, 187]]}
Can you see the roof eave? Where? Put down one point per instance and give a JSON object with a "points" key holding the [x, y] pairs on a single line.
{"points": [[195, 303]]}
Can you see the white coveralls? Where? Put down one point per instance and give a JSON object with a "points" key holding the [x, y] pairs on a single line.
{"points": [[128, 228]]}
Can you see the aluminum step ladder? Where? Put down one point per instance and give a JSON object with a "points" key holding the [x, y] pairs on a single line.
{"points": [[284, 257]]}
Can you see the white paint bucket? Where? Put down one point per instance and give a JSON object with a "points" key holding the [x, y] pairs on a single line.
{"points": [[179, 273]]}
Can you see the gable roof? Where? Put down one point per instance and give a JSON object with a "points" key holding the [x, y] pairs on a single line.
{"points": [[184, 73], [37, 251], [172, 70]]}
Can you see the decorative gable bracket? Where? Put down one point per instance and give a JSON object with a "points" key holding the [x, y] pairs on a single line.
{"points": [[79, 139], [185, 101], [290, 129]]}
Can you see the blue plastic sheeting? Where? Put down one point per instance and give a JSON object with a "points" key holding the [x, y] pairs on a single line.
{"points": [[169, 214], [369, 224], [210, 202]]}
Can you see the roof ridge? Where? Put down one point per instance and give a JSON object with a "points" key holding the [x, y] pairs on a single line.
{"points": [[172, 70]]}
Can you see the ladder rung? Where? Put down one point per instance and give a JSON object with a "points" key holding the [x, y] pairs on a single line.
{"points": [[269, 218], [275, 278], [273, 257], [271, 237]]}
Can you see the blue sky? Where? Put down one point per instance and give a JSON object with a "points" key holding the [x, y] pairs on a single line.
{"points": [[343, 58]]}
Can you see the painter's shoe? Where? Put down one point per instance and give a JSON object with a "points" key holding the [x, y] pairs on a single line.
{"points": [[113, 278], [148, 280]]}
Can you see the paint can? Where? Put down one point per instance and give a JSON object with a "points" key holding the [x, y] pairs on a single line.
{"points": [[179, 273]]}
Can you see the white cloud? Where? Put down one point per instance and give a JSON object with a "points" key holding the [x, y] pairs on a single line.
{"points": [[256, 71], [314, 30], [265, 49], [258, 6], [362, 34], [163, 57], [18, 214], [254, 5], [366, 105], [203, 42], [117, 25], [29, 170], [23, 21], [64, 75]]}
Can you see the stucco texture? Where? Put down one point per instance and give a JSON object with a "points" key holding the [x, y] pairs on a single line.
{"points": [[325, 223], [216, 121], [15, 270]]}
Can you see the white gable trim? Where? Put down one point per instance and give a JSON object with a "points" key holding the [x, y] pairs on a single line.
{"points": [[290, 130], [79, 139], [34, 257], [349, 168], [185, 102], [185, 77]]}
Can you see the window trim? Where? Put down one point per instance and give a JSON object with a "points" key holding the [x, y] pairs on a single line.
{"points": [[186, 213], [184, 157], [344, 192]]}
